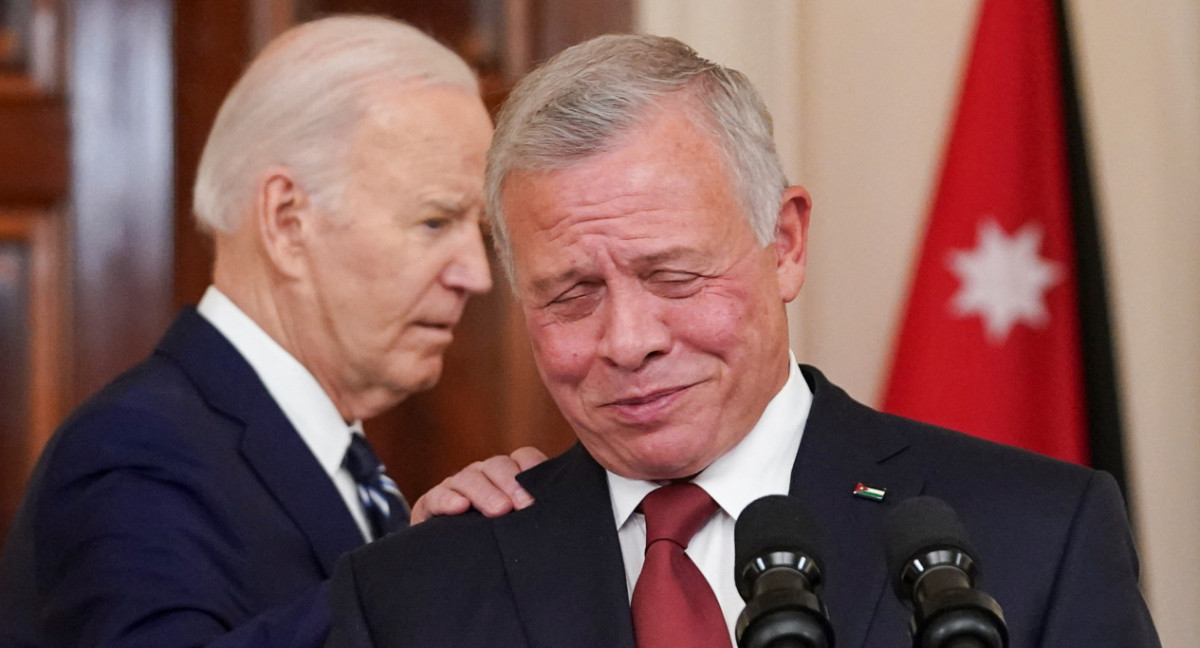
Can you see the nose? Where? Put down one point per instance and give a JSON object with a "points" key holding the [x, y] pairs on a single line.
{"points": [[634, 332], [468, 271]]}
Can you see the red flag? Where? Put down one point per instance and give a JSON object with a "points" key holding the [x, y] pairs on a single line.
{"points": [[990, 342]]}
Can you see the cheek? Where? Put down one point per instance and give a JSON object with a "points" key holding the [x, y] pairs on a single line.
{"points": [[716, 323], [394, 275], [358, 266], [563, 352]]}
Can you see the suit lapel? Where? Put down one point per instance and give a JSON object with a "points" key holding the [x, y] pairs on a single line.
{"points": [[300, 485], [270, 445], [563, 558], [846, 443]]}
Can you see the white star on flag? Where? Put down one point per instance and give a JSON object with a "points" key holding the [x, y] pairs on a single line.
{"points": [[1003, 280]]}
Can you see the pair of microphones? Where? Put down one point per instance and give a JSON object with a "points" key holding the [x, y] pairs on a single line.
{"points": [[931, 562]]}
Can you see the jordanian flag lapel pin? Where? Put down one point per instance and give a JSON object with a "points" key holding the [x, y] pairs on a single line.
{"points": [[866, 492]]}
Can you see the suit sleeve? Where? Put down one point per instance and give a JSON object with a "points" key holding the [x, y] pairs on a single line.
{"points": [[1097, 600], [349, 623], [133, 551]]}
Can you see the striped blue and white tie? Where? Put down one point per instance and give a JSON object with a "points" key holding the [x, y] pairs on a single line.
{"points": [[384, 505]]}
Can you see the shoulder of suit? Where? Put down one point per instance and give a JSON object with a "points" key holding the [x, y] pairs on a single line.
{"points": [[968, 449], [948, 454], [463, 541], [145, 418], [468, 539]]}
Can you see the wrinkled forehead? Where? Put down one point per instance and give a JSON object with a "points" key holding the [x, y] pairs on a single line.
{"points": [[653, 199]]}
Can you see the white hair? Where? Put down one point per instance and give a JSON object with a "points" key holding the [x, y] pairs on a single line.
{"points": [[298, 103], [579, 103]]}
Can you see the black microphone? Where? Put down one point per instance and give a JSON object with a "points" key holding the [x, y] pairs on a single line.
{"points": [[932, 563], [778, 576]]}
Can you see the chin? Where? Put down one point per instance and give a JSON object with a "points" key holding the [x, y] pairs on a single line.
{"points": [[675, 452], [663, 468], [427, 382], [411, 383], [676, 471]]}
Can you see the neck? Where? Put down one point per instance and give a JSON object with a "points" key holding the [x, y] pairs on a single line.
{"points": [[276, 304]]}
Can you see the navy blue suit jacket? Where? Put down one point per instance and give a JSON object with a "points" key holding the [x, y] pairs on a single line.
{"points": [[177, 507], [1052, 538]]}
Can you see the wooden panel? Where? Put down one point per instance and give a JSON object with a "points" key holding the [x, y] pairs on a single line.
{"points": [[14, 373], [559, 24], [33, 153], [32, 346], [34, 183], [121, 190], [212, 47], [50, 349], [451, 21]]}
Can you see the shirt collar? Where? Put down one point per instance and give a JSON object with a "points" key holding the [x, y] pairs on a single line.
{"points": [[305, 404], [759, 465]]}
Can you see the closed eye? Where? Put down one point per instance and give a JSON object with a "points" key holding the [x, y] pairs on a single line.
{"points": [[675, 284], [577, 291], [576, 302]]}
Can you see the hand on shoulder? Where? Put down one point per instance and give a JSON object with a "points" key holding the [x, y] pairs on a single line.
{"points": [[490, 486]]}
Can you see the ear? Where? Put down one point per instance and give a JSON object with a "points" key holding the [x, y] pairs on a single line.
{"points": [[281, 211], [791, 241]]}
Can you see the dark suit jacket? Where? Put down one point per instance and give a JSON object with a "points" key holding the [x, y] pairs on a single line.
{"points": [[1052, 539], [178, 507]]}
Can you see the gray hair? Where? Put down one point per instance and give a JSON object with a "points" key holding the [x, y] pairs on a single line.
{"points": [[580, 102], [298, 103]]}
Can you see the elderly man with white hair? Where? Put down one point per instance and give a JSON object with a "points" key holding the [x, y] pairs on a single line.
{"points": [[203, 497]]}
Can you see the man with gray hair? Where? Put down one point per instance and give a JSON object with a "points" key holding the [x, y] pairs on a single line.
{"points": [[653, 244], [204, 497]]}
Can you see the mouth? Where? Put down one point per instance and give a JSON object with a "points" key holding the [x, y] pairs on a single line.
{"points": [[648, 407], [442, 321], [442, 330], [643, 399]]}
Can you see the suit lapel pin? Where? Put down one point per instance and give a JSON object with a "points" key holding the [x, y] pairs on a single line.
{"points": [[866, 492]]}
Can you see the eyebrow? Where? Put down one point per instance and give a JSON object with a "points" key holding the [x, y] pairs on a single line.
{"points": [[546, 283], [670, 254], [449, 205], [456, 207], [570, 274]]}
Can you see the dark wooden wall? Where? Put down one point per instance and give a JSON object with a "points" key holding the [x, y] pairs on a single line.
{"points": [[121, 183], [34, 185], [85, 198], [98, 150]]}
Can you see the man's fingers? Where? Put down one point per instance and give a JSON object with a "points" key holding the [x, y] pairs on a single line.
{"points": [[440, 500], [501, 471], [490, 486], [527, 457]]}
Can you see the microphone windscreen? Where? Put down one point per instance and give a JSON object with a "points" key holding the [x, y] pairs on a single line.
{"points": [[921, 524], [774, 523]]}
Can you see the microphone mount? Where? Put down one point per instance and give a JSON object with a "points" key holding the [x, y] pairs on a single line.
{"points": [[932, 564], [778, 614], [946, 604], [779, 578]]}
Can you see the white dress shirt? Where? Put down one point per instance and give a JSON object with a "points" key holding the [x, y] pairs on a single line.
{"points": [[760, 465], [305, 404]]}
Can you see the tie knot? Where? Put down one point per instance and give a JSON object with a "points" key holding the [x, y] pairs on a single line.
{"points": [[676, 512], [361, 461]]}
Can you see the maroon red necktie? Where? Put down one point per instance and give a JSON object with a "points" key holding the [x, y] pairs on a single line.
{"points": [[673, 605]]}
